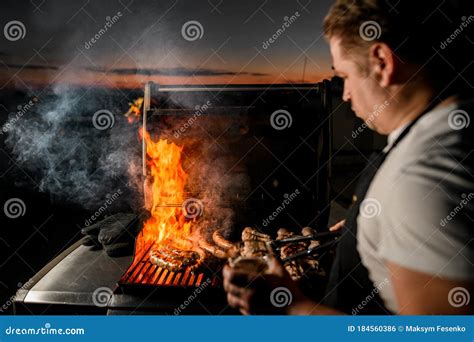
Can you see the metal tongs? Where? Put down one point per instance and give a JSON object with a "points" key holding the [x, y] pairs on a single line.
{"points": [[333, 236]]}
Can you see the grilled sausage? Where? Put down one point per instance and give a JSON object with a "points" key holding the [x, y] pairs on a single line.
{"points": [[221, 241]]}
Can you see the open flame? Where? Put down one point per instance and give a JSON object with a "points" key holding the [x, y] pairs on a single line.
{"points": [[165, 192], [135, 110]]}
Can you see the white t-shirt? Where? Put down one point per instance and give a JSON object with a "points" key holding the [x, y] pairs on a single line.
{"points": [[419, 209]]}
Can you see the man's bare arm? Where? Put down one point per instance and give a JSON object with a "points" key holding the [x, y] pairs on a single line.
{"points": [[420, 293]]}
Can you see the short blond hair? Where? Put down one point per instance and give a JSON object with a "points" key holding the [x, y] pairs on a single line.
{"points": [[413, 29]]}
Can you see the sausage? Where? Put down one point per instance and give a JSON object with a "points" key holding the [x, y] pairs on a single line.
{"points": [[221, 241], [212, 249]]}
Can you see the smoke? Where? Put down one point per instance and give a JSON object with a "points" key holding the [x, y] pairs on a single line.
{"points": [[215, 182], [80, 149], [210, 139], [60, 143]]}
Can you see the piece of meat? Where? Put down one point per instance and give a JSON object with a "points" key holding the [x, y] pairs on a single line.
{"points": [[292, 248], [254, 248], [294, 268], [174, 259], [213, 249], [251, 234], [157, 258], [220, 241], [308, 231], [254, 243], [282, 233]]}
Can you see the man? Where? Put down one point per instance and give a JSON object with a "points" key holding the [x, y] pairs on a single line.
{"points": [[407, 243]]}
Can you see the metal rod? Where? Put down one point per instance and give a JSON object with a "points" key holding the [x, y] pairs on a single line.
{"points": [[296, 239], [237, 88], [310, 251], [146, 108], [304, 69]]}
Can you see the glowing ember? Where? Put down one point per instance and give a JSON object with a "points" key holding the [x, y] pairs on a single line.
{"points": [[135, 111]]}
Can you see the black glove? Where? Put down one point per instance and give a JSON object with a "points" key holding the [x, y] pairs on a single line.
{"points": [[116, 234]]}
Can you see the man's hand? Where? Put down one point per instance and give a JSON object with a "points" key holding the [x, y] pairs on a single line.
{"points": [[251, 292], [337, 226]]}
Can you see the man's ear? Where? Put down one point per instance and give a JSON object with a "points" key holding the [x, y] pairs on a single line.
{"points": [[383, 64]]}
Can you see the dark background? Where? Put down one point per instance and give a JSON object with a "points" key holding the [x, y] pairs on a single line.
{"points": [[55, 71]]}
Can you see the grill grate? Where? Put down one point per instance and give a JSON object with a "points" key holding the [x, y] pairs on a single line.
{"points": [[144, 272]]}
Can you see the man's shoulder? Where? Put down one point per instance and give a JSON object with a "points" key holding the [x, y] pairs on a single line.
{"points": [[438, 145]]}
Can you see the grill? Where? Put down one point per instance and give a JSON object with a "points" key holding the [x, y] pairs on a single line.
{"points": [[144, 273], [66, 285], [234, 107]]}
